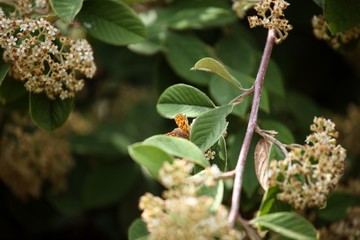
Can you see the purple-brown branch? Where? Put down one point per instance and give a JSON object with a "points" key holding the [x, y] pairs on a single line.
{"points": [[235, 203]]}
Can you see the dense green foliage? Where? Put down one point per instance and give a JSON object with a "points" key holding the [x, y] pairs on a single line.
{"points": [[156, 59]]}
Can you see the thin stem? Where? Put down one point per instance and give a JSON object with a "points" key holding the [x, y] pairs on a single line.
{"points": [[272, 139], [241, 97], [235, 203], [249, 230], [225, 175]]}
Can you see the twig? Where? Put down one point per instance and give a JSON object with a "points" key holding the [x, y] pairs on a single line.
{"points": [[241, 97], [272, 139], [225, 175], [250, 231], [235, 203]]}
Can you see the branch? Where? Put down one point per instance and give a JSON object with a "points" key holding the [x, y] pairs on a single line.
{"points": [[235, 203]]}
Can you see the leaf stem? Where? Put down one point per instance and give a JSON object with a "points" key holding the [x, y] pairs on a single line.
{"points": [[235, 203], [241, 97], [272, 139]]}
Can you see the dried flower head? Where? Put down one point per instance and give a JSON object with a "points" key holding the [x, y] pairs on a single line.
{"points": [[271, 16], [349, 127], [348, 228], [25, 164], [322, 32], [352, 187], [311, 171], [183, 213], [45, 62]]}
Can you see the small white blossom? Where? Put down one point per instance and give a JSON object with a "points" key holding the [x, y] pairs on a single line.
{"points": [[32, 26], [24, 27], [183, 213], [12, 41], [210, 155]]}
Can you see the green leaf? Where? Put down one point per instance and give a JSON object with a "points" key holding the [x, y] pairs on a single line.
{"points": [[337, 205], [107, 140], [223, 92], [107, 184], [69, 203], [276, 153], [250, 182], [303, 116], [182, 52], [149, 156], [4, 68], [181, 15], [66, 204], [66, 9], [134, 1], [178, 147], [137, 230], [237, 52], [211, 65], [216, 192], [209, 127], [218, 197], [271, 204], [288, 224], [342, 15], [264, 101], [221, 155], [156, 22], [11, 90], [284, 134], [183, 99], [49, 114], [268, 201], [274, 80], [112, 22], [320, 3], [198, 14]]}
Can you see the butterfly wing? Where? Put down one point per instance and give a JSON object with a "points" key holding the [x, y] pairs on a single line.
{"points": [[183, 129]]}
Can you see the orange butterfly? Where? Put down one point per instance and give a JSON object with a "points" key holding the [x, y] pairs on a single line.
{"points": [[183, 129]]}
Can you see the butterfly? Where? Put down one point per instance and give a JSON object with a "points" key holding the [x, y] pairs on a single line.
{"points": [[183, 129]]}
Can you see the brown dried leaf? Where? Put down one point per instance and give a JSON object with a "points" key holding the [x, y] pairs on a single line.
{"points": [[261, 157]]}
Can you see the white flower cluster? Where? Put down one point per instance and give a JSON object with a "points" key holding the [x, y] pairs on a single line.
{"points": [[183, 213], [311, 171], [43, 61]]}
